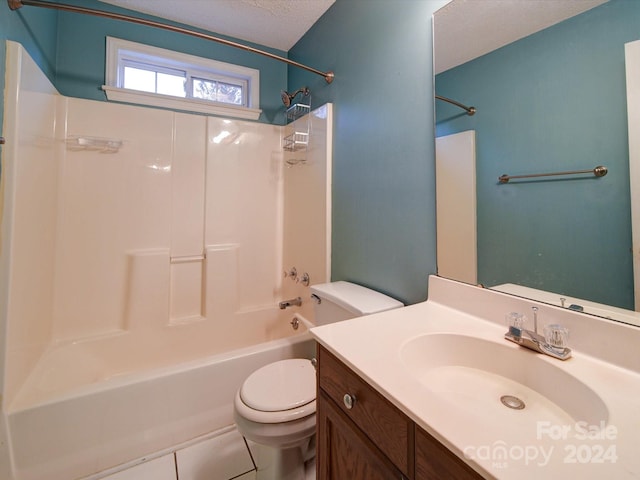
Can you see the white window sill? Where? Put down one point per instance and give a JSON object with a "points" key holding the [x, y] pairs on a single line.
{"points": [[175, 103]]}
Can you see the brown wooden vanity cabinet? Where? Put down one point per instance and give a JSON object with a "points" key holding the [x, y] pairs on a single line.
{"points": [[346, 453], [363, 436], [434, 461]]}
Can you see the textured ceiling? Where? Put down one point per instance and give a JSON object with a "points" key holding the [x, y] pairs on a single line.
{"points": [[464, 29], [467, 29], [273, 23]]}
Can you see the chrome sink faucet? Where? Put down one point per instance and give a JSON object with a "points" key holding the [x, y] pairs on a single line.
{"points": [[290, 303], [553, 343]]}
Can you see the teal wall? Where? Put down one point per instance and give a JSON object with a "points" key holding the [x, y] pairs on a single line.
{"points": [[553, 101], [36, 31], [81, 55], [70, 48], [383, 158]]}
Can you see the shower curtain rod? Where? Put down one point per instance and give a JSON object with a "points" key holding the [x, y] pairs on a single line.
{"points": [[15, 4], [470, 110]]}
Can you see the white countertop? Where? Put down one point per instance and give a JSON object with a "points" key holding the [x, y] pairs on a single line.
{"points": [[495, 442]]}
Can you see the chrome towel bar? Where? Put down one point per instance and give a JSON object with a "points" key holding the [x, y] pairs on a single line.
{"points": [[598, 171]]}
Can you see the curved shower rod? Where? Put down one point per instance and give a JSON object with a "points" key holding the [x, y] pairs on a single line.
{"points": [[470, 110], [15, 4]]}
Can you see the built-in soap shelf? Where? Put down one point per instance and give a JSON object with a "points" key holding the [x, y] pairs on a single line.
{"points": [[96, 144]]}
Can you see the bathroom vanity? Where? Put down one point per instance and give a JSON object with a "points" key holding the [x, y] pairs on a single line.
{"points": [[415, 394], [363, 436]]}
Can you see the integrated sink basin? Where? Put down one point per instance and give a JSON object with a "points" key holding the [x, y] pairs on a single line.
{"points": [[500, 381], [446, 364]]}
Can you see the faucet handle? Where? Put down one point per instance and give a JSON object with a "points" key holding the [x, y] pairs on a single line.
{"points": [[556, 336], [515, 319], [515, 324], [304, 279], [291, 273]]}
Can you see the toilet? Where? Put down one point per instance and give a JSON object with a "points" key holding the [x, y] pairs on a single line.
{"points": [[276, 406]]}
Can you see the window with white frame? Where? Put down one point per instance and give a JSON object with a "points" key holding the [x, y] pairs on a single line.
{"points": [[138, 73]]}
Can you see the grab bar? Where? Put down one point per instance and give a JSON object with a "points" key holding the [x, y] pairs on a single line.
{"points": [[187, 259], [598, 171]]}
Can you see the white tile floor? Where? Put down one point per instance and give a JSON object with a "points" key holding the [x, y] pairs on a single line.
{"points": [[310, 465], [221, 457]]}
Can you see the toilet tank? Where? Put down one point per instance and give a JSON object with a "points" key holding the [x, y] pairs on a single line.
{"points": [[337, 301]]}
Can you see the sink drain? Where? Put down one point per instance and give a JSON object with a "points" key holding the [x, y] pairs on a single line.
{"points": [[512, 402]]}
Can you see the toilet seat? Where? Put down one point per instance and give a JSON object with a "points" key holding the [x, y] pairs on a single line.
{"points": [[282, 391], [279, 386], [284, 416]]}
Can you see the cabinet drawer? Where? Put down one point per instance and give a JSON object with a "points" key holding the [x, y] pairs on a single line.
{"points": [[386, 426]]}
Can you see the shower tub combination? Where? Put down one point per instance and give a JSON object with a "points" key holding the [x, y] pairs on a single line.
{"points": [[140, 282], [121, 417]]}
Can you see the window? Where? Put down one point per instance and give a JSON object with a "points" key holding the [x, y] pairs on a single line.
{"points": [[137, 73], [154, 79]]}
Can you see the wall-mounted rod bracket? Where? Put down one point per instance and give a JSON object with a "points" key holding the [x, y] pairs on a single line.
{"points": [[598, 171], [15, 4]]}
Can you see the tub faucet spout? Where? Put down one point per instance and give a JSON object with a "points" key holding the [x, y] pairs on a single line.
{"points": [[290, 303]]}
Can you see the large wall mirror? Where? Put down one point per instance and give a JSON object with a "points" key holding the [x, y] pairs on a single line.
{"points": [[552, 100]]}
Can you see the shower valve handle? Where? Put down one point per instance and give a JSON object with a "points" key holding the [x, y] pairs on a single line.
{"points": [[291, 273], [304, 279]]}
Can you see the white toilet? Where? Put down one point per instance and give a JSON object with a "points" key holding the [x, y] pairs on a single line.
{"points": [[276, 405]]}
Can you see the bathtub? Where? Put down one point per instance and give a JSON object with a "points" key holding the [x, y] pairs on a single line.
{"points": [[90, 406]]}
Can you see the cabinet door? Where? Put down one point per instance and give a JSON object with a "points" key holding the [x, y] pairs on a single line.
{"points": [[434, 461], [383, 423], [344, 452]]}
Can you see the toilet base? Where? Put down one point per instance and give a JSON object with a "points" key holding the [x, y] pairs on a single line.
{"points": [[310, 469], [283, 463]]}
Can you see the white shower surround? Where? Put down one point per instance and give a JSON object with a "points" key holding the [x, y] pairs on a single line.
{"points": [[124, 274]]}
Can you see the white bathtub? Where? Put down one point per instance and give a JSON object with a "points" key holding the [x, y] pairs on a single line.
{"points": [[89, 406]]}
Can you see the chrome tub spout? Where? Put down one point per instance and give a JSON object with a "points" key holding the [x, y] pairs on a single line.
{"points": [[290, 303]]}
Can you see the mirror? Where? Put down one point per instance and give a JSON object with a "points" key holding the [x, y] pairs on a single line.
{"points": [[549, 102]]}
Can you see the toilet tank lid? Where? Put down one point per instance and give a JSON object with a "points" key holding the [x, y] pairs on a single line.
{"points": [[355, 298]]}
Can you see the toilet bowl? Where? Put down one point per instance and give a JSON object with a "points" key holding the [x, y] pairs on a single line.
{"points": [[276, 406]]}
